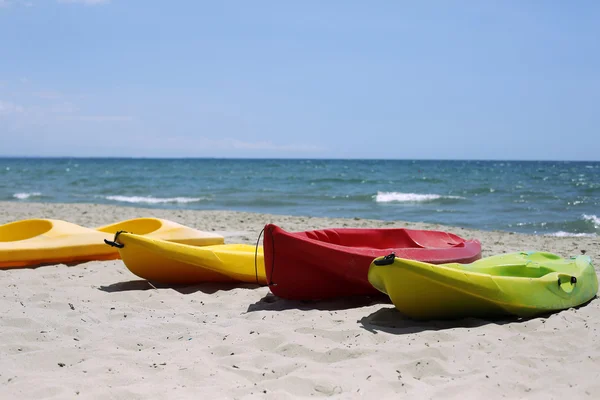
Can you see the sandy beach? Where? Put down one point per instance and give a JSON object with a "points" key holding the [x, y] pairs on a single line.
{"points": [[95, 330]]}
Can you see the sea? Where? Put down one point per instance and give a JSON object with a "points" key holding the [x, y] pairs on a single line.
{"points": [[556, 198]]}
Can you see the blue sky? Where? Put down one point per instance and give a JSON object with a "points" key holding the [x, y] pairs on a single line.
{"points": [[318, 79]]}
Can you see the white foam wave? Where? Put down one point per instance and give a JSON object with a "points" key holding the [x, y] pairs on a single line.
{"points": [[386, 197], [25, 196], [154, 200], [592, 218], [569, 234]]}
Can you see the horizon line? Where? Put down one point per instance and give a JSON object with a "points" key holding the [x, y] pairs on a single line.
{"points": [[283, 158]]}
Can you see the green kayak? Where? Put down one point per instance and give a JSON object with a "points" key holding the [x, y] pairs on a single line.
{"points": [[523, 284]]}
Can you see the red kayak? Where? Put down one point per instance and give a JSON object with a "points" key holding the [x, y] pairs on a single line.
{"points": [[329, 263]]}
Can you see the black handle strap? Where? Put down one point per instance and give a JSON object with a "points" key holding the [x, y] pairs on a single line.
{"points": [[387, 260], [114, 243]]}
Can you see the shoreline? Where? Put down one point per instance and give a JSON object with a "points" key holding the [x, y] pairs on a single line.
{"points": [[378, 222], [245, 227], [96, 330]]}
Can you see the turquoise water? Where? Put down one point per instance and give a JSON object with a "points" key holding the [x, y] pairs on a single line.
{"points": [[556, 198]]}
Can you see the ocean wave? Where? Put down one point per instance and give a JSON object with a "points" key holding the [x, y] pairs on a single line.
{"points": [[584, 226], [570, 234], [387, 197], [25, 196], [154, 200], [593, 219]]}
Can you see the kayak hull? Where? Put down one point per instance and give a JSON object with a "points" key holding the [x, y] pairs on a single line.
{"points": [[331, 263], [180, 264], [34, 242], [519, 284]]}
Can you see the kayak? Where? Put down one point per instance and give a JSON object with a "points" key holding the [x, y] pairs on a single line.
{"points": [[163, 229], [328, 263], [48, 241], [522, 284], [177, 264], [35, 242]]}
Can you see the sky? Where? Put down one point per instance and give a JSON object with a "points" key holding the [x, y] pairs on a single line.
{"points": [[301, 79]]}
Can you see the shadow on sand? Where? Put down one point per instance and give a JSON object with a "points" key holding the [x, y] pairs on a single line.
{"points": [[392, 321], [49, 264], [273, 303], [386, 319], [207, 288]]}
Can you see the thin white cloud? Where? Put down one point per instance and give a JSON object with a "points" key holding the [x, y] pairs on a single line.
{"points": [[54, 106], [8, 108], [8, 3], [98, 118], [86, 2]]}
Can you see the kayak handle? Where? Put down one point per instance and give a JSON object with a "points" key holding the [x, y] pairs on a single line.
{"points": [[114, 243], [387, 260], [573, 281]]}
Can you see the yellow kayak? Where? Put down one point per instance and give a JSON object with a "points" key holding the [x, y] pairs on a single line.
{"points": [[173, 263], [35, 242], [163, 229], [521, 284]]}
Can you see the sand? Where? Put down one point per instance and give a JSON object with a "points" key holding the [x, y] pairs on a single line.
{"points": [[95, 330]]}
